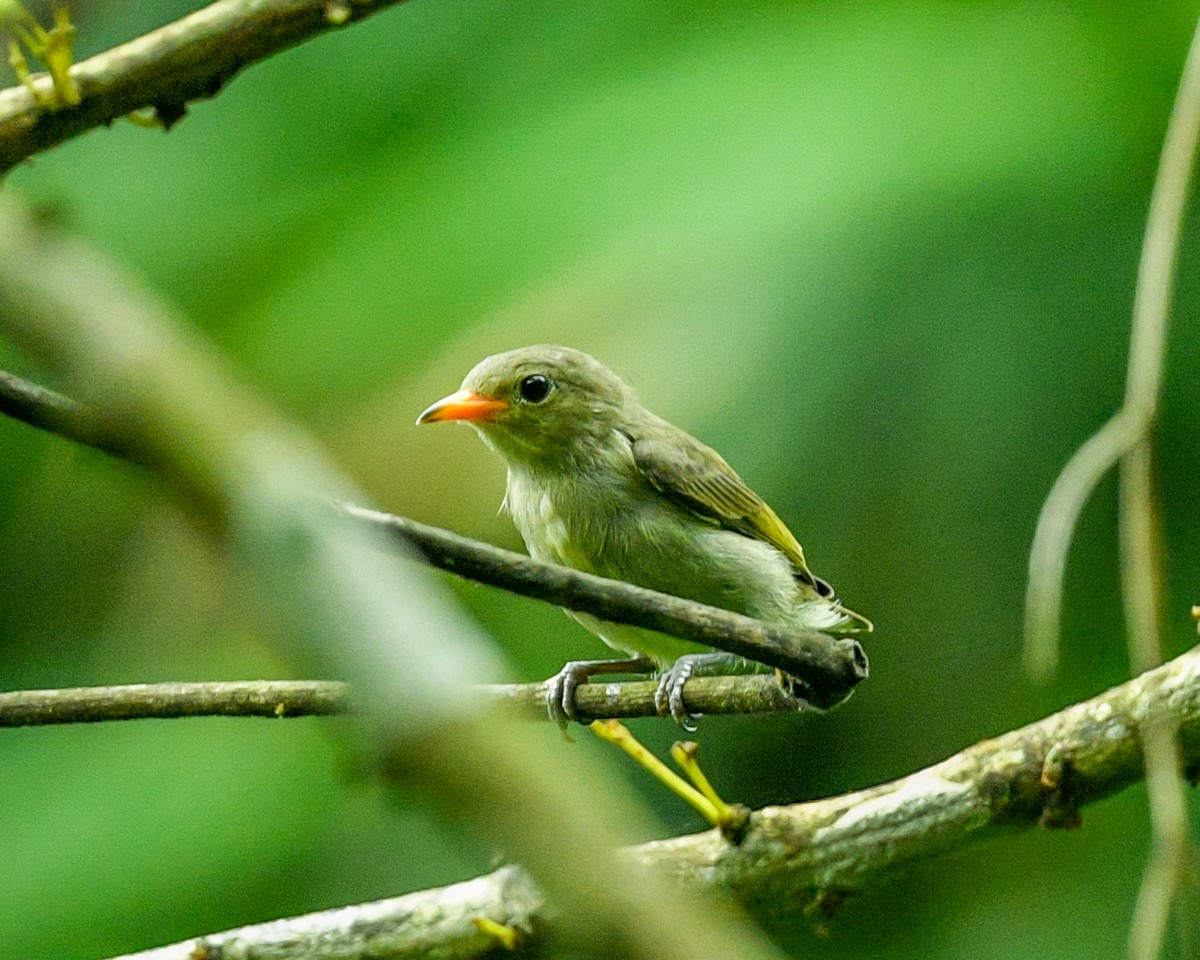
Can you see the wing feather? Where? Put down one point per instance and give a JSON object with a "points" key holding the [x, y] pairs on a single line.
{"points": [[697, 478]]}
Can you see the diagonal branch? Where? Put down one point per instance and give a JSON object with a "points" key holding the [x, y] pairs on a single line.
{"points": [[828, 667], [50, 411], [793, 857], [190, 59]]}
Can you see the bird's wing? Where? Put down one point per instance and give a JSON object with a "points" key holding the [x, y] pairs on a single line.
{"points": [[697, 478]]}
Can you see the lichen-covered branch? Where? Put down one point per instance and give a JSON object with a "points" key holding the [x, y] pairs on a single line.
{"points": [[827, 667], [166, 69], [443, 923], [1043, 773], [794, 857], [709, 696]]}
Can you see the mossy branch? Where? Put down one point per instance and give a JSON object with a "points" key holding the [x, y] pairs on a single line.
{"points": [[801, 857], [309, 698], [166, 69]]}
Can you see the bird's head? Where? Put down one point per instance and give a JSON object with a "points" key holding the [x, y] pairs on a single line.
{"points": [[538, 405]]}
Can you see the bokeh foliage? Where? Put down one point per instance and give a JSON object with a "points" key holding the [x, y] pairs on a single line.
{"points": [[881, 257]]}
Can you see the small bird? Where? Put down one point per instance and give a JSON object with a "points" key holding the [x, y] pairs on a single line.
{"points": [[599, 483]]}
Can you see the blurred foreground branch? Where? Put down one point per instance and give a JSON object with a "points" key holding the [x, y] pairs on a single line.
{"points": [[799, 856], [828, 667], [343, 601], [709, 696], [166, 69]]}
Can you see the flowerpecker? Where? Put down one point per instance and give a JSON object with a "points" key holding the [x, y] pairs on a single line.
{"points": [[599, 483]]}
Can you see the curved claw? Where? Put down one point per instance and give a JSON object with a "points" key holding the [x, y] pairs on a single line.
{"points": [[560, 688], [560, 691], [669, 695]]}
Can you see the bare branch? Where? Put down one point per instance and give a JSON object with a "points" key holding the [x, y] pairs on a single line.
{"points": [[167, 701], [708, 696], [829, 667], [806, 854], [190, 59]]}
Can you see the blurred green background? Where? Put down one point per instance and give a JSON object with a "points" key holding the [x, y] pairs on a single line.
{"points": [[881, 256]]}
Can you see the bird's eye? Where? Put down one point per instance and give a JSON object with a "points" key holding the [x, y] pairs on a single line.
{"points": [[535, 388]]}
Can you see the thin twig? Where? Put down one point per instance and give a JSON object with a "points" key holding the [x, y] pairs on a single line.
{"points": [[43, 408], [1171, 862], [167, 701], [190, 59], [1141, 560], [805, 855], [707, 696], [710, 696], [828, 667], [1056, 525], [1055, 529]]}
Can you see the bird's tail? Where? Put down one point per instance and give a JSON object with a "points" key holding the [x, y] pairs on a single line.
{"points": [[833, 616], [858, 623], [829, 616]]}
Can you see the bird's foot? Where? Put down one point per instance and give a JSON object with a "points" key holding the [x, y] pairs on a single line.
{"points": [[669, 695], [560, 688], [560, 691]]}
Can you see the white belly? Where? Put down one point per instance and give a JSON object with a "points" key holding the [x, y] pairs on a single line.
{"points": [[636, 536]]}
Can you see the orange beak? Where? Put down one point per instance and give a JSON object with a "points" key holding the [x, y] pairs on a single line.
{"points": [[464, 405]]}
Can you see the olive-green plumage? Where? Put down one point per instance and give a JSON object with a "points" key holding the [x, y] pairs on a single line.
{"points": [[599, 483]]}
